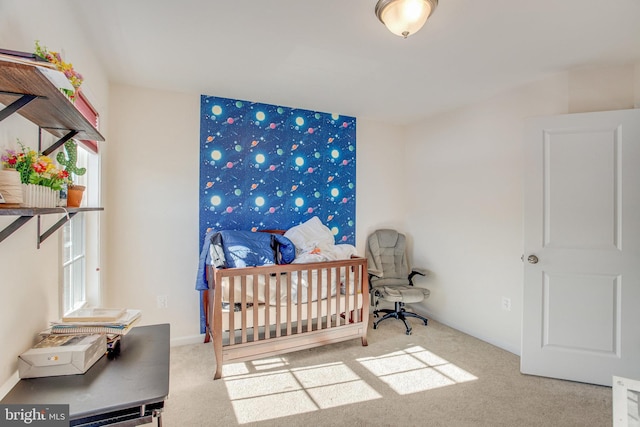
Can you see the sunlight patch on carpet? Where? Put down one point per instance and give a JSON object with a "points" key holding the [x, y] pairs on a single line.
{"points": [[414, 370], [263, 396]]}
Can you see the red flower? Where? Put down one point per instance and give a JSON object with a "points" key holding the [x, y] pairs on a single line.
{"points": [[40, 167]]}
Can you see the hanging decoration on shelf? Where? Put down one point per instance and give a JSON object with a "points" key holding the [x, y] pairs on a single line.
{"points": [[74, 191], [66, 68]]}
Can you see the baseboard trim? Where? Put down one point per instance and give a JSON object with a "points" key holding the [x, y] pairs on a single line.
{"points": [[193, 339], [9, 384], [420, 310]]}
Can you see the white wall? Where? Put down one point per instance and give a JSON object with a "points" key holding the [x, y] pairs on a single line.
{"points": [[152, 223], [153, 170], [29, 277], [466, 177]]}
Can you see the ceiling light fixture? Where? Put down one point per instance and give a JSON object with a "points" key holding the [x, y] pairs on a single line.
{"points": [[404, 17]]}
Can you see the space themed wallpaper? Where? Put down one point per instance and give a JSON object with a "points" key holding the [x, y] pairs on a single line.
{"points": [[265, 166]]}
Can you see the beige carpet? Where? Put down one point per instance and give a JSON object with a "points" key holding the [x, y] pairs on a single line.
{"points": [[435, 377]]}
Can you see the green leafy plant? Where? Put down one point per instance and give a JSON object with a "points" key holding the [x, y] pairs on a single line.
{"points": [[70, 160]]}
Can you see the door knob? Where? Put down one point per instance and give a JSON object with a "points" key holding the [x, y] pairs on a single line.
{"points": [[532, 259]]}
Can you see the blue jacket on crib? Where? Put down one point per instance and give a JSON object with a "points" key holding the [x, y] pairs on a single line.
{"points": [[237, 248]]}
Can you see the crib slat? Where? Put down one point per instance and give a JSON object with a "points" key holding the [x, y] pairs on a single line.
{"points": [[319, 299], [289, 303], [278, 305], [267, 298], [256, 329], [338, 311], [347, 293], [232, 303], [329, 297], [299, 303], [243, 307], [311, 281]]}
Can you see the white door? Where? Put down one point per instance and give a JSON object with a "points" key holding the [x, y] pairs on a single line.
{"points": [[581, 313]]}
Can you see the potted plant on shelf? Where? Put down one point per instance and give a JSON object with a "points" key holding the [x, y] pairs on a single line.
{"points": [[74, 191], [40, 179]]}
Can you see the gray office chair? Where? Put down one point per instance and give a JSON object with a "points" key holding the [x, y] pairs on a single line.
{"points": [[390, 278]]}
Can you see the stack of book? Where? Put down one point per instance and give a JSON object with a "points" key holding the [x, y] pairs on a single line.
{"points": [[114, 323]]}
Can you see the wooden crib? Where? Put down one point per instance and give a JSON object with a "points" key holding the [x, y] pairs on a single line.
{"points": [[256, 312]]}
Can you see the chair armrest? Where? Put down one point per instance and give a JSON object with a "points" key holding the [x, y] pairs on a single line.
{"points": [[420, 271], [414, 272], [376, 273]]}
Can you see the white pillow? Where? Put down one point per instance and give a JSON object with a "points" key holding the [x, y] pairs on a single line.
{"points": [[310, 235]]}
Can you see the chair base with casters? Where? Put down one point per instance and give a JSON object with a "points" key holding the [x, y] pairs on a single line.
{"points": [[399, 295], [399, 313]]}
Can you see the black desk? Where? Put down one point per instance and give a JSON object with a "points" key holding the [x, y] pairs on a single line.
{"points": [[130, 389]]}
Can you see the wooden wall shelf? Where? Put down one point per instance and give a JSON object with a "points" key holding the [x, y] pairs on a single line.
{"points": [[25, 215], [50, 109], [25, 89]]}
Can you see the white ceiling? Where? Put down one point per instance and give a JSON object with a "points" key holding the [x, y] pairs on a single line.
{"points": [[335, 56]]}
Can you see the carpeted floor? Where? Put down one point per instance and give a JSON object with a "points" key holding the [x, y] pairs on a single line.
{"points": [[435, 377]]}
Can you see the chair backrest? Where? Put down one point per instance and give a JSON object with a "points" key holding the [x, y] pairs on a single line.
{"points": [[386, 257]]}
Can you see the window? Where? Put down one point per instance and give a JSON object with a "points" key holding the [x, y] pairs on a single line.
{"points": [[74, 264], [80, 238]]}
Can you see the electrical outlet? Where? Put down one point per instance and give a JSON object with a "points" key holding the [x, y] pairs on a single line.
{"points": [[506, 304], [163, 301]]}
